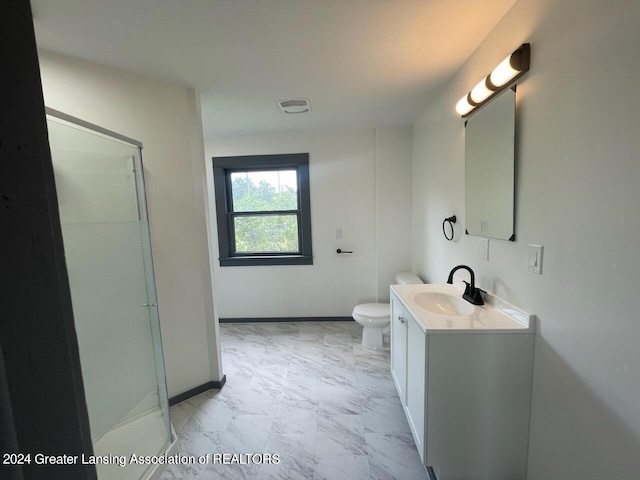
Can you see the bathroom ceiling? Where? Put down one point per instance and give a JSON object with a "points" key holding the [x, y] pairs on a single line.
{"points": [[362, 63]]}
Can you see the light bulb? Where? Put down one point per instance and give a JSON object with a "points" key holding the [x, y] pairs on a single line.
{"points": [[463, 106], [480, 92], [503, 73]]}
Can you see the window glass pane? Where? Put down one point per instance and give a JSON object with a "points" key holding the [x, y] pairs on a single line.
{"points": [[264, 190], [266, 233]]}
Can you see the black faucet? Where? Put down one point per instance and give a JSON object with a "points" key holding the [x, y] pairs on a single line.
{"points": [[471, 293]]}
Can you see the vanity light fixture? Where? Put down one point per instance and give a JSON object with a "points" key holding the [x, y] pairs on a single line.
{"points": [[507, 72]]}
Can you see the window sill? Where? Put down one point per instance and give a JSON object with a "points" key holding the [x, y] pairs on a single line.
{"points": [[252, 261]]}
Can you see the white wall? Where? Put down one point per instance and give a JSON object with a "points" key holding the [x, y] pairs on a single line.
{"points": [[344, 188], [577, 194], [162, 117], [393, 206]]}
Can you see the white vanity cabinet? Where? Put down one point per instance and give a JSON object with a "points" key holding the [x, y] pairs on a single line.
{"points": [[416, 383], [399, 347], [408, 371], [466, 394]]}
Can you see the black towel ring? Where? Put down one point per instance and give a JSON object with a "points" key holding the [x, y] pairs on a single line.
{"points": [[450, 220]]}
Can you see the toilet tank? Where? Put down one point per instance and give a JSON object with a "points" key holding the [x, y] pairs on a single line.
{"points": [[407, 278]]}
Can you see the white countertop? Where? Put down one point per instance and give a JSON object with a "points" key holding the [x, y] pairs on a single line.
{"points": [[495, 316]]}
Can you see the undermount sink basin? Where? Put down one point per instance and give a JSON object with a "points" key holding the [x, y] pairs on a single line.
{"points": [[442, 303]]}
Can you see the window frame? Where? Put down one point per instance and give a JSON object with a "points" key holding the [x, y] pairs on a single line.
{"points": [[223, 167]]}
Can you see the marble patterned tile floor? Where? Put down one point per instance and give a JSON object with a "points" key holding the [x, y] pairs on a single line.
{"points": [[308, 392]]}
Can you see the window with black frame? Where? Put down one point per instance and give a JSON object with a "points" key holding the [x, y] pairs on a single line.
{"points": [[263, 209]]}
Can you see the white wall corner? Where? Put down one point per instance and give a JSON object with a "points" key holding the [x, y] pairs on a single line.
{"points": [[201, 189]]}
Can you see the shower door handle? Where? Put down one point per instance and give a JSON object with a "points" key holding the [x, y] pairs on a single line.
{"points": [[149, 304]]}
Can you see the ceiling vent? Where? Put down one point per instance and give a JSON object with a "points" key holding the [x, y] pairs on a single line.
{"points": [[295, 105]]}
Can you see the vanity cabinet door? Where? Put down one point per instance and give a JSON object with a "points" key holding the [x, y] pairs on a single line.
{"points": [[399, 347], [416, 383]]}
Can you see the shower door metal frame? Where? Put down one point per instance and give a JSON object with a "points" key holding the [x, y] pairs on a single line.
{"points": [[143, 215], [90, 126]]}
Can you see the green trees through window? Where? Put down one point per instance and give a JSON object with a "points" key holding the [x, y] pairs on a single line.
{"points": [[265, 232]]}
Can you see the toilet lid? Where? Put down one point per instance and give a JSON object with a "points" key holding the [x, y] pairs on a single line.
{"points": [[372, 310]]}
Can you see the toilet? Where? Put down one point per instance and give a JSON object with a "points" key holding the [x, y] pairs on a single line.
{"points": [[374, 317]]}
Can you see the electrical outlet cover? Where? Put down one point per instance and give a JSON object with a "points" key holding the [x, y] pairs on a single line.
{"points": [[484, 249]]}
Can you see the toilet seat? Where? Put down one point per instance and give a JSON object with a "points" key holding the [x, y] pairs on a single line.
{"points": [[373, 314], [375, 318]]}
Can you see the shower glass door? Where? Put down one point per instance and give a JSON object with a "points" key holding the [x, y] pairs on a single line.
{"points": [[105, 229]]}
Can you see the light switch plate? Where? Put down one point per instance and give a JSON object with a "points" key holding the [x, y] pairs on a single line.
{"points": [[534, 258], [484, 249]]}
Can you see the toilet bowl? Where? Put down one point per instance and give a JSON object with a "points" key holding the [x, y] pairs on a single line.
{"points": [[374, 317]]}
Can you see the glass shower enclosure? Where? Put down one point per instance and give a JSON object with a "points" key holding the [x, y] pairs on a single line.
{"points": [[101, 197]]}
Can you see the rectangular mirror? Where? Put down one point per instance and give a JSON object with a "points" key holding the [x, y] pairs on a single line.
{"points": [[489, 169]]}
